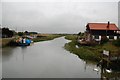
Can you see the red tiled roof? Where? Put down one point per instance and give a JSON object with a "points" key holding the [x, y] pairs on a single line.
{"points": [[102, 26]]}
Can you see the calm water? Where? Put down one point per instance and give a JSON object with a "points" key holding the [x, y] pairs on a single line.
{"points": [[46, 59]]}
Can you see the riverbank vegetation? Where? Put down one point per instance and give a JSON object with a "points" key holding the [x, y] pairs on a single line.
{"points": [[90, 53], [7, 33], [72, 37], [39, 37], [46, 37], [9, 37], [5, 41]]}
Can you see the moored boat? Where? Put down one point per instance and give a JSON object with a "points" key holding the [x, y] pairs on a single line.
{"points": [[23, 42]]}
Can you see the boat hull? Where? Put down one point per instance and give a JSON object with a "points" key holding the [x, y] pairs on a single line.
{"points": [[23, 44]]}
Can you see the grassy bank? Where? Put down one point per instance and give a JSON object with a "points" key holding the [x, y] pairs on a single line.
{"points": [[47, 37], [11, 41], [89, 53], [5, 41], [71, 37], [84, 52]]}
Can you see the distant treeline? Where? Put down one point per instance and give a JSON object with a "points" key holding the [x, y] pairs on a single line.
{"points": [[7, 33], [26, 33]]}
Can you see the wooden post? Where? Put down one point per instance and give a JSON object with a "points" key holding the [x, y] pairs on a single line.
{"points": [[108, 62], [102, 69]]}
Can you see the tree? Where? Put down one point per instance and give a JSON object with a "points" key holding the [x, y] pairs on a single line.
{"points": [[79, 33], [20, 33], [26, 32], [7, 33]]}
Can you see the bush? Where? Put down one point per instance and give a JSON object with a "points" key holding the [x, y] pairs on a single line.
{"points": [[104, 40], [7, 33], [20, 33], [116, 42]]}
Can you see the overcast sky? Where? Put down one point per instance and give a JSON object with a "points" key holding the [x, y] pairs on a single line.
{"points": [[63, 16]]}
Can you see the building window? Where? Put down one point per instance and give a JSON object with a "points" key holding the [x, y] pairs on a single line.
{"points": [[111, 37], [96, 37]]}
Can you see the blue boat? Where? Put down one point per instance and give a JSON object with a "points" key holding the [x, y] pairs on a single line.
{"points": [[24, 42]]}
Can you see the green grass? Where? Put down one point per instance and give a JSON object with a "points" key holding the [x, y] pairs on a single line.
{"points": [[84, 52], [112, 75], [48, 37], [89, 53], [71, 37], [110, 47]]}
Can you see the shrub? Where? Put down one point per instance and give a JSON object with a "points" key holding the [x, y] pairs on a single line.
{"points": [[20, 33], [104, 40], [116, 42], [7, 33]]}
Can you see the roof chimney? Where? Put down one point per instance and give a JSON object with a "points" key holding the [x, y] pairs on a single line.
{"points": [[108, 24]]}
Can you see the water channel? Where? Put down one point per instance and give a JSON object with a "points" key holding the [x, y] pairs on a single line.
{"points": [[47, 59]]}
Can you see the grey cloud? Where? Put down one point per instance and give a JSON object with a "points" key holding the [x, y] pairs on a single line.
{"points": [[53, 17]]}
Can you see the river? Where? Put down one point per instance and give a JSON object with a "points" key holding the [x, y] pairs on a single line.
{"points": [[47, 59]]}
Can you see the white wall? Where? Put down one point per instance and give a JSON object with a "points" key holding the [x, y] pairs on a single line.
{"points": [[115, 38], [97, 39]]}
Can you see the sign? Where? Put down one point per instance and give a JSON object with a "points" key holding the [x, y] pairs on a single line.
{"points": [[106, 52]]}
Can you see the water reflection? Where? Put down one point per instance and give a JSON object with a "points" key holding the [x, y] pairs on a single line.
{"points": [[23, 51], [7, 52]]}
